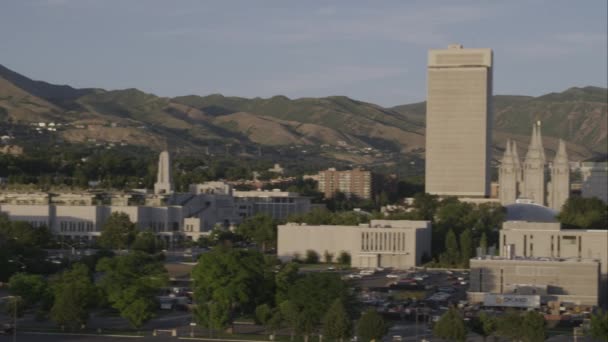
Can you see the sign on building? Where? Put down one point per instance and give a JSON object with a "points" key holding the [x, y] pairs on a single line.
{"points": [[511, 300]]}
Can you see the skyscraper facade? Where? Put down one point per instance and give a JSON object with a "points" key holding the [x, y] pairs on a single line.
{"points": [[459, 122]]}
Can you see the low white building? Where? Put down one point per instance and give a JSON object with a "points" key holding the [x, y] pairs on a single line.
{"points": [[381, 243], [169, 214]]}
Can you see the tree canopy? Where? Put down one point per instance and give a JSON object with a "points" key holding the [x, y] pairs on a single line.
{"points": [[74, 295], [261, 229], [336, 322], [131, 283], [118, 232], [371, 326], [451, 326], [584, 213], [233, 278]]}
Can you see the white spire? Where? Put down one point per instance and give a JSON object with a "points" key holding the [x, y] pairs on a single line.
{"points": [[164, 184], [539, 141], [561, 156]]}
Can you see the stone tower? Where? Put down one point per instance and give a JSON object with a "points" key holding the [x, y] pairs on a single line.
{"points": [[507, 176], [534, 169], [560, 178], [164, 184]]}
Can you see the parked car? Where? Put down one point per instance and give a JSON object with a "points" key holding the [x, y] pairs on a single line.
{"points": [[392, 275]]}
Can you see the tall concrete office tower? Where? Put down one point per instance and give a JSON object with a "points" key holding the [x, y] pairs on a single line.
{"points": [[534, 169], [560, 178], [507, 176], [459, 122], [164, 184]]}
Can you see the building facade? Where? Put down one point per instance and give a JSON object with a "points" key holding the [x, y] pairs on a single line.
{"points": [[532, 231], [381, 243], [459, 122], [572, 281], [275, 203], [357, 182]]}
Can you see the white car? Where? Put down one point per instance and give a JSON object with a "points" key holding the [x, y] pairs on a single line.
{"points": [[354, 276], [392, 275]]}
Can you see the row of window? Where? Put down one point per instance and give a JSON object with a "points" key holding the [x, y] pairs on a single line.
{"points": [[73, 226], [383, 241]]}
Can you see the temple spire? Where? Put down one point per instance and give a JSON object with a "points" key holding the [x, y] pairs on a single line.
{"points": [[561, 155], [539, 141]]}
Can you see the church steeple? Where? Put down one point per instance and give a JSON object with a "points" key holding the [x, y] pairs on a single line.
{"points": [[534, 169], [507, 176], [560, 178], [516, 161]]}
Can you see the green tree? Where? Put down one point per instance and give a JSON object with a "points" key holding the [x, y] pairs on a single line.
{"points": [[509, 326], [31, 287], [336, 323], [233, 278], [131, 283], [484, 325], [371, 326], [466, 247], [291, 315], [598, 327], [260, 229], [450, 326], [146, 242], [483, 243], [344, 258], [118, 232], [533, 327], [212, 314], [584, 213], [74, 295], [451, 254], [312, 292], [312, 257], [529, 327], [286, 277], [328, 257], [263, 313], [426, 206]]}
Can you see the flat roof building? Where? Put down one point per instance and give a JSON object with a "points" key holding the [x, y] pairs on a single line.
{"points": [[572, 281], [381, 243], [459, 122]]}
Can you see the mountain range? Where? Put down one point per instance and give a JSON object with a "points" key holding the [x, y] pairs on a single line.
{"points": [[336, 126]]}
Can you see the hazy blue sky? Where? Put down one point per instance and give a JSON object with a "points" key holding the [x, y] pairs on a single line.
{"points": [[368, 50]]}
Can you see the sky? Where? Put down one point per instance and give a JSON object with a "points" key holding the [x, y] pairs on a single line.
{"points": [[371, 51]]}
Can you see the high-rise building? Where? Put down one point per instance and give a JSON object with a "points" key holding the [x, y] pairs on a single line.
{"points": [[164, 183], [459, 122]]}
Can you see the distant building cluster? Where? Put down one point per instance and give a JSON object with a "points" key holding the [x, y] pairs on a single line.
{"points": [[169, 214]]}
